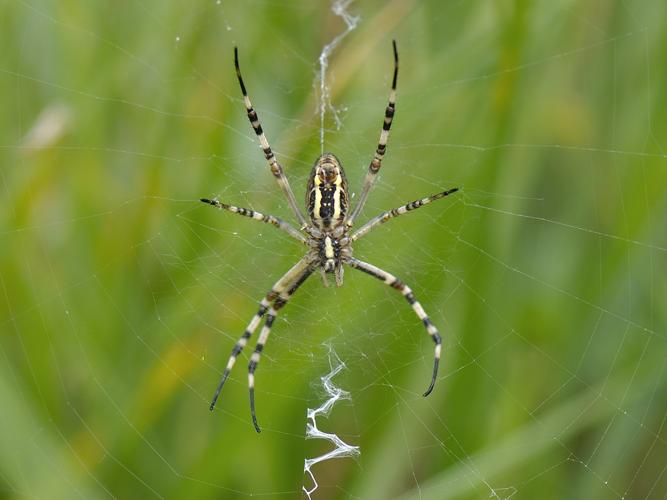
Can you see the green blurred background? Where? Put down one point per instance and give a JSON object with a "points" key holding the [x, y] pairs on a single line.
{"points": [[121, 295]]}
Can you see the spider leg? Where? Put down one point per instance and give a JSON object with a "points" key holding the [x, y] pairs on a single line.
{"points": [[395, 212], [276, 168], [269, 219], [397, 284], [280, 301], [376, 162], [278, 288]]}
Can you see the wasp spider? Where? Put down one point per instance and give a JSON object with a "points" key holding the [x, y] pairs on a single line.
{"points": [[327, 235]]}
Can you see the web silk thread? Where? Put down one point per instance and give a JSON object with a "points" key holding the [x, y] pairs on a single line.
{"points": [[342, 449]]}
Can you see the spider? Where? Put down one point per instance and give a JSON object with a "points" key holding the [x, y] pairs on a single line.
{"points": [[328, 236]]}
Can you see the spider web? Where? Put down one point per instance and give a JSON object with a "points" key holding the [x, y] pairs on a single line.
{"points": [[121, 296]]}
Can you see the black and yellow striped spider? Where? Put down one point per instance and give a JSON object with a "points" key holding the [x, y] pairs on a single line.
{"points": [[327, 235]]}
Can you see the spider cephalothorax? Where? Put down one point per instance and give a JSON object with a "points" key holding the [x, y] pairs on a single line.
{"points": [[327, 236]]}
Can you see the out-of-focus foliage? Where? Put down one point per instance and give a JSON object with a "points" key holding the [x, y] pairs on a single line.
{"points": [[121, 295]]}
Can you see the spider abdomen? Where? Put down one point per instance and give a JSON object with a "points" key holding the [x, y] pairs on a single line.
{"points": [[327, 197]]}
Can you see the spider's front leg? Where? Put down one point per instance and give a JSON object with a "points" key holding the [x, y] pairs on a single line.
{"points": [[406, 291], [279, 303], [278, 288]]}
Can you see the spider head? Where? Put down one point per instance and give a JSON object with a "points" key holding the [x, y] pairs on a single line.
{"points": [[326, 196], [330, 250]]}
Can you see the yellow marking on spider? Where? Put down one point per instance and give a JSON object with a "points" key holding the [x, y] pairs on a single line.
{"points": [[336, 197], [328, 248], [318, 197]]}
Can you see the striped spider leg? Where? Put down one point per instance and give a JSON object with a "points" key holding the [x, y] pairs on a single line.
{"points": [[278, 304], [376, 162], [395, 212], [276, 168], [396, 284], [274, 300], [253, 214]]}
